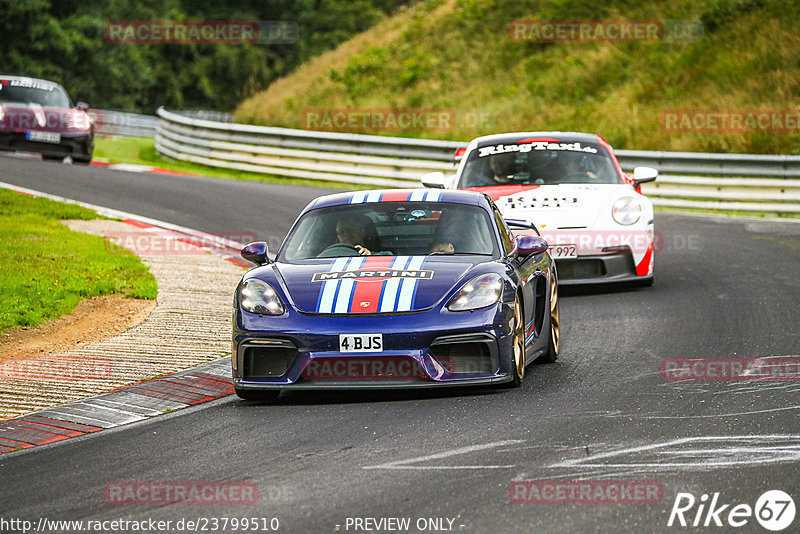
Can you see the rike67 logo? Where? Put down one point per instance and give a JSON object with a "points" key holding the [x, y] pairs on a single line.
{"points": [[774, 510]]}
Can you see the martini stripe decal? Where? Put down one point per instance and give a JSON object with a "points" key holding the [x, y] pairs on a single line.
{"points": [[376, 291]]}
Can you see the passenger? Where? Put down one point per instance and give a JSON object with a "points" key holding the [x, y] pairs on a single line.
{"points": [[441, 247], [461, 232]]}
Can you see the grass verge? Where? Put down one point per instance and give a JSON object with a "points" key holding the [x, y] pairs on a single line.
{"points": [[142, 151], [48, 268]]}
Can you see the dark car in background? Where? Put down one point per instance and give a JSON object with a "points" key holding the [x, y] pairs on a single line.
{"points": [[38, 116]]}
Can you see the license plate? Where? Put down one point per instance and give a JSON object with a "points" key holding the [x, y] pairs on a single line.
{"points": [[44, 137], [360, 342], [563, 251]]}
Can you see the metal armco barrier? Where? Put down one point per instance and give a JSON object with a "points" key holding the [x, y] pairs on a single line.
{"points": [[746, 182], [121, 124]]}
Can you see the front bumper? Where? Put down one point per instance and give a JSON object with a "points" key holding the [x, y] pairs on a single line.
{"points": [[474, 349], [73, 145], [598, 269]]}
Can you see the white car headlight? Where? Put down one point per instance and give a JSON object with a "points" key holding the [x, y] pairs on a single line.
{"points": [[626, 210], [259, 297], [481, 291]]}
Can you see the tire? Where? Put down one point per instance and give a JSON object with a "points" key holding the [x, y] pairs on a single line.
{"points": [[53, 158], [554, 342], [257, 395], [518, 367], [81, 161]]}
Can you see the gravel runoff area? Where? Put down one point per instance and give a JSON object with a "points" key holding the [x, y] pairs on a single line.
{"points": [[190, 325]]}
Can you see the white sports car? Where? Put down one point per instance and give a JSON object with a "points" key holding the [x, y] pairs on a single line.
{"points": [[571, 187]]}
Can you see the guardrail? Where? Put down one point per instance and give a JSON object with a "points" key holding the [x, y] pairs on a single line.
{"points": [[724, 181], [121, 124]]}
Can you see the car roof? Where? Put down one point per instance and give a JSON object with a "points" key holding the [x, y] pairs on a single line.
{"points": [[400, 195]]}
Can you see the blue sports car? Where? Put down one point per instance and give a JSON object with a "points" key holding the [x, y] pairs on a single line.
{"points": [[395, 289]]}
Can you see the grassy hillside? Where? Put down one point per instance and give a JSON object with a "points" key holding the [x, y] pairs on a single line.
{"points": [[458, 55]]}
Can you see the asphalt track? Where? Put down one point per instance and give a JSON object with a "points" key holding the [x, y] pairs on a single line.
{"points": [[724, 288]]}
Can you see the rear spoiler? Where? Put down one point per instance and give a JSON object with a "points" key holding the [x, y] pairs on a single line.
{"points": [[519, 223]]}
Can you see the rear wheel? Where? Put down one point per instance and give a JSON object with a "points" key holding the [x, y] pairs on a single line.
{"points": [[257, 395], [518, 372], [555, 324]]}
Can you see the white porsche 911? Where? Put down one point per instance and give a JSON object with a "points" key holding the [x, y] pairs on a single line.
{"points": [[570, 185]]}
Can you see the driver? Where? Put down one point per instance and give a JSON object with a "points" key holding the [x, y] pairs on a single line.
{"points": [[352, 230], [502, 166]]}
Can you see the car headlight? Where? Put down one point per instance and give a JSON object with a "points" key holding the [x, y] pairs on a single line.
{"points": [[626, 210], [481, 291], [259, 297]]}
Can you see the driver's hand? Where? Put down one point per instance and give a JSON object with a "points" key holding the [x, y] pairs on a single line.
{"points": [[364, 251]]}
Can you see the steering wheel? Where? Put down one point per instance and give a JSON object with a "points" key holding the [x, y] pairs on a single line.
{"points": [[338, 249]]}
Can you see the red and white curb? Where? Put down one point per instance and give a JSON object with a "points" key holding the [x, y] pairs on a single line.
{"points": [[138, 401], [134, 167], [129, 404]]}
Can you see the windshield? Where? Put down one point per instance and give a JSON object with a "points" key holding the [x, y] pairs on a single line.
{"points": [[47, 95], [539, 163], [391, 228]]}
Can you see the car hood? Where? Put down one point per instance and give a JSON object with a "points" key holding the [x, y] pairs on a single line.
{"points": [[559, 206], [20, 116], [372, 284]]}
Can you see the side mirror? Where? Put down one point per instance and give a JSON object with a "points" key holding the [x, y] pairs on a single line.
{"points": [[434, 180], [82, 106], [642, 175], [528, 245], [256, 252]]}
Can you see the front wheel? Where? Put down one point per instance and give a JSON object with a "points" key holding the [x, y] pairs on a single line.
{"points": [[555, 324], [518, 372]]}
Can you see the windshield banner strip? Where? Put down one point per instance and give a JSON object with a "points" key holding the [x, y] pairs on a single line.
{"points": [[416, 195]]}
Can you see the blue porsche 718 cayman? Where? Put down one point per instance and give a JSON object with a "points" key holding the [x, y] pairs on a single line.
{"points": [[395, 289]]}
